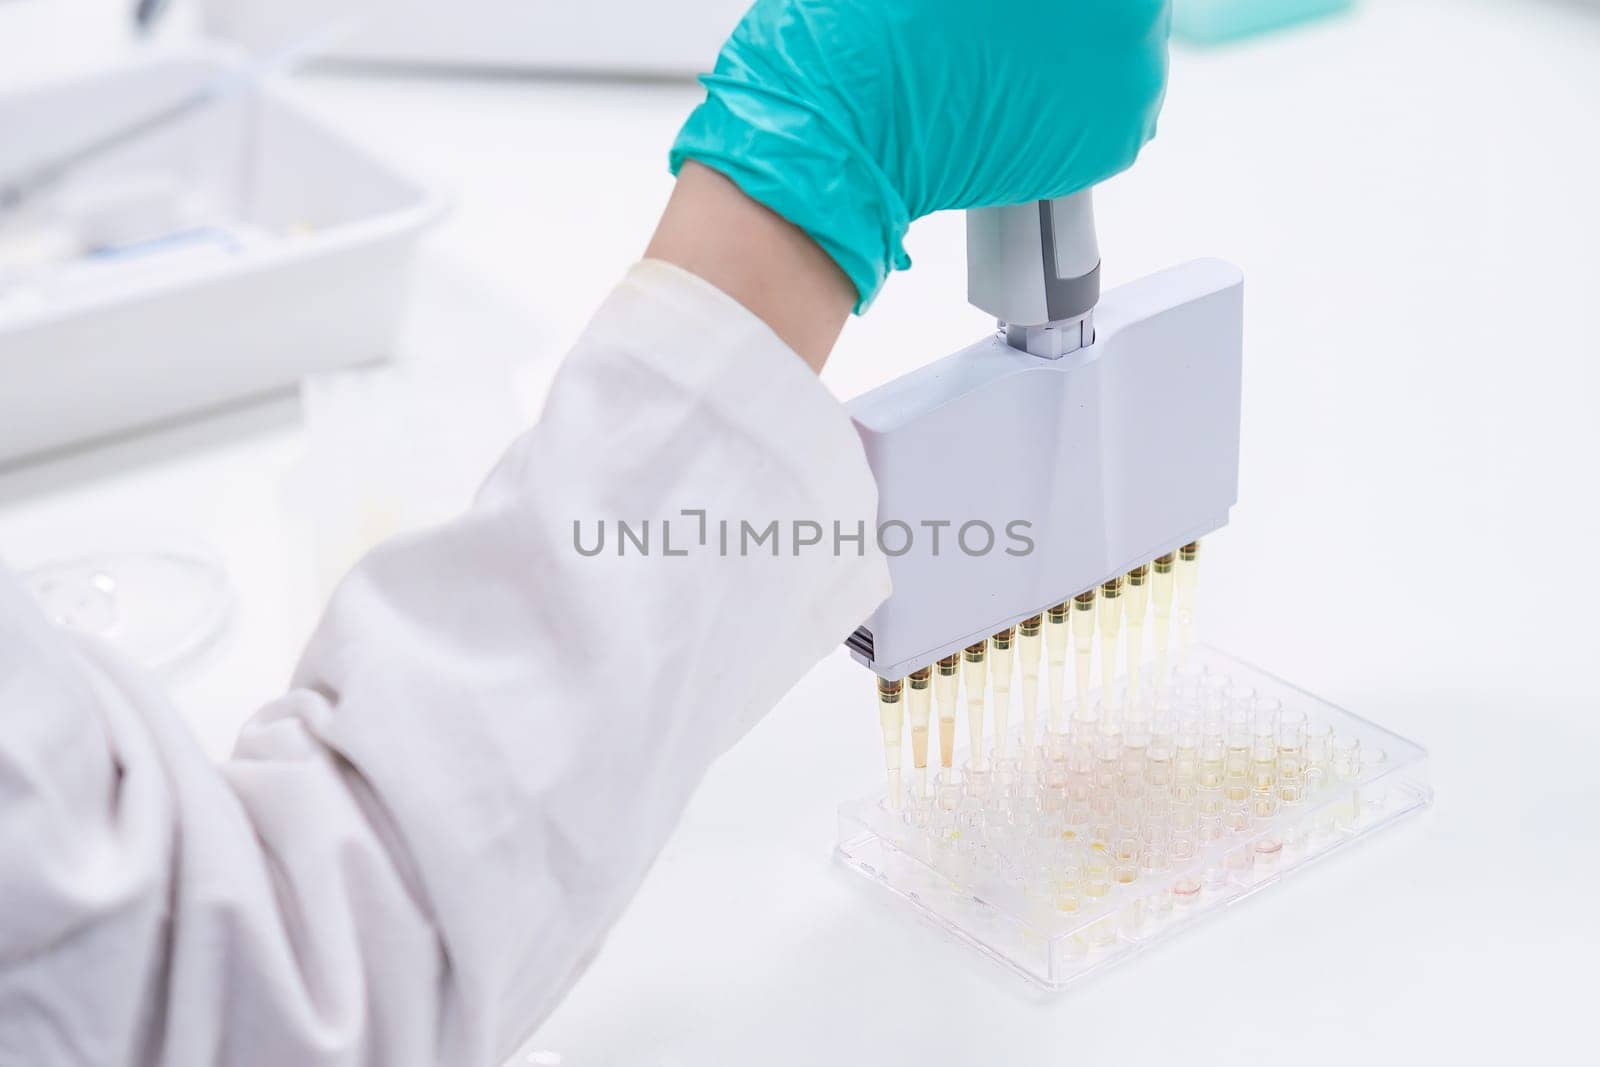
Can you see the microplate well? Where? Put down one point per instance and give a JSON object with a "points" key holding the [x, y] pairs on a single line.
{"points": [[1132, 825]]}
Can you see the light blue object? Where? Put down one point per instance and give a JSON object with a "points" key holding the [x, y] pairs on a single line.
{"points": [[1216, 21], [851, 118]]}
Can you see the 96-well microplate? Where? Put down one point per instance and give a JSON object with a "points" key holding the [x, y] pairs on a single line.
{"points": [[1131, 825]]}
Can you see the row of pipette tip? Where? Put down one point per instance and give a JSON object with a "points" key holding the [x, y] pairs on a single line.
{"points": [[1119, 607], [1120, 790]]}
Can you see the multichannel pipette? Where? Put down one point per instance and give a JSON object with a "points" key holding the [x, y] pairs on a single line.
{"points": [[1110, 430]]}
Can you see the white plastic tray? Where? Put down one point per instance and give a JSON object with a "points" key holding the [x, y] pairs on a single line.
{"points": [[317, 240]]}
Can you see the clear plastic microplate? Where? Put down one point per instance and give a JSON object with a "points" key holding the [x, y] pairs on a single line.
{"points": [[1133, 824]]}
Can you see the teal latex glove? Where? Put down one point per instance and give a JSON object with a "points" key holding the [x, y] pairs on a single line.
{"points": [[851, 118]]}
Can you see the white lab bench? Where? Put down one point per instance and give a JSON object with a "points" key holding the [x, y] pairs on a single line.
{"points": [[1411, 192]]}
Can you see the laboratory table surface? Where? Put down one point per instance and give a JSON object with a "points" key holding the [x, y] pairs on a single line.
{"points": [[1410, 191]]}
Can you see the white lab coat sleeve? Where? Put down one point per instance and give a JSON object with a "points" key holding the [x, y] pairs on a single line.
{"points": [[415, 851]]}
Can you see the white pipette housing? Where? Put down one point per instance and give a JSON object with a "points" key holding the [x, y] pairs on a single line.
{"points": [[1087, 435]]}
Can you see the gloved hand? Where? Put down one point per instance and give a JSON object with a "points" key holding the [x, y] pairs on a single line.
{"points": [[851, 118]]}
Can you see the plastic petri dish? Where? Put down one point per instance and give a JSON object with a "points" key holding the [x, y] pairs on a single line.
{"points": [[157, 608]]}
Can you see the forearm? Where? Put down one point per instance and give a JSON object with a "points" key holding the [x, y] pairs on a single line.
{"points": [[535, 717], [770, 266], [529, 714]]}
